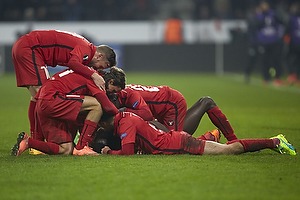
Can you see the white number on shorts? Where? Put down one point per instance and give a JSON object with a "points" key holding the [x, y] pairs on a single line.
{"points": [[46, 71]]}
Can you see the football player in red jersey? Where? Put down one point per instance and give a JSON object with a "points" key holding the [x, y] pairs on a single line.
{"points": [[132, 102], [35, 51], [137, 134], [60, 100], [167, 105]]}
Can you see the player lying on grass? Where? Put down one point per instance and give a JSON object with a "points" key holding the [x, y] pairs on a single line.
{"points": [[167, 105], [60, 101], [137, 134], [34, 52]]}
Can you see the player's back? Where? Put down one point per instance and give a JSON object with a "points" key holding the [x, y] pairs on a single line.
{"points": [[150, 139], [66, 82], [56, 45], [151, 93], [155, 97], [160, 99]]}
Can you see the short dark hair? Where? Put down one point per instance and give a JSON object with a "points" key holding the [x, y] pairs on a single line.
{"points": [[106, 117], [115, 73], [109, 54]]}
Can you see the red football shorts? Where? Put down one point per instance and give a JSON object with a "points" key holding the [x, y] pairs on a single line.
{"points": [[175, 108], [191, 145], [57, 118], [29, 65]]}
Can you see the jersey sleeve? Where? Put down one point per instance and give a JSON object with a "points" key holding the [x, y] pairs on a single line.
{"points": [[126, 130], [76, 60], [137, 105], [127, 149], [106, 104], [101, 96]]}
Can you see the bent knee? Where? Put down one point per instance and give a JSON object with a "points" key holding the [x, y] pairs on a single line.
{"points": [[208, 102], [97, 106]]}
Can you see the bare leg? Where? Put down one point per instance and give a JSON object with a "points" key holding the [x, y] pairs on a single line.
{"points": [[194, 114], [213, 148], [207, 105], [239, 146], [33, 89], [66, 148], [92, 105]]}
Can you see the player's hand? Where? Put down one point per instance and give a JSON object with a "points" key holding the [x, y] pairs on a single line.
{"points": [[105, 150], [99, 81]]}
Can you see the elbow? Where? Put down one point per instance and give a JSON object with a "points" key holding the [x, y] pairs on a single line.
{"points": [[148, 116], [111, 110]]}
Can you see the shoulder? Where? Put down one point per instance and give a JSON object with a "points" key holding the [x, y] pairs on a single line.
{"points": [[130, 117], [122, 94]]}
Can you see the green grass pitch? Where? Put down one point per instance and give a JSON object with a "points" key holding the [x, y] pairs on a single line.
{"points": [[254, 111]]}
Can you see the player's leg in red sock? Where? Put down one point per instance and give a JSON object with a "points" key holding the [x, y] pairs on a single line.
{"points": [[91, 121], [251, 145], [86, 135], [194, 114], [46, 147], [221, 121], [31, 117]]}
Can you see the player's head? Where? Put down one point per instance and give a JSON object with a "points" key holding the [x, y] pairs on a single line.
{"points": [[107, 121], [114, 99], [104, 58], [115, 79], [109, 54], [104, 135]]}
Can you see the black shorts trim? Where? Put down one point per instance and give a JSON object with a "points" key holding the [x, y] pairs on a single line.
{"points": [[33, 57], [172, 104], [162, 150]]}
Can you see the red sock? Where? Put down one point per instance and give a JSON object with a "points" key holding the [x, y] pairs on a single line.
{"points": [[251, 145], [46, 147], [220, 121], [202, 137], [86, 135], [208, 137], [31, 112]]}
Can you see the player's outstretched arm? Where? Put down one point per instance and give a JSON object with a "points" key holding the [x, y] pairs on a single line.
{"points": [[127, 149]]}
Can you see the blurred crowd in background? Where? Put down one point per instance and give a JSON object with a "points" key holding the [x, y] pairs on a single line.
{"points": [[106, 10], [273, 27]]}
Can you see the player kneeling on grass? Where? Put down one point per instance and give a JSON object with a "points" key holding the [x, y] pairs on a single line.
{"points": [[135, 133], [60, 102]]}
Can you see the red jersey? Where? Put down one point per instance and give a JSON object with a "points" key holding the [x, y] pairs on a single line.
{"points": [[67, 84], [134, 130], [134, 103], [57, 47], [167, 105]]}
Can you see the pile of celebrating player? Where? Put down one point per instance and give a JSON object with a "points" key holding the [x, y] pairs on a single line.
{"points": [[110, 116]]}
